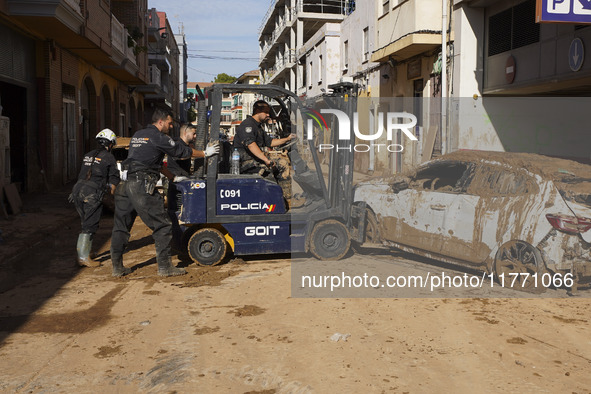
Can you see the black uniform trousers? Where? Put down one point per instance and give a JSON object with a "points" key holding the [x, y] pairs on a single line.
{"points": [[89, 205], [132, 200]]}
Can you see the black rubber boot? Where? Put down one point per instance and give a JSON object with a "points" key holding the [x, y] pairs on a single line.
{"points": [[167, 269], [118, 268]]}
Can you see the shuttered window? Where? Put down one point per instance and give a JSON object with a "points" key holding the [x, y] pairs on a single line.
{"points": [[513, 28]]}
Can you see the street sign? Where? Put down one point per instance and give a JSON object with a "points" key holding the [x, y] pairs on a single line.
{"points": [[566, 11], [510, 69], [576, 54]]}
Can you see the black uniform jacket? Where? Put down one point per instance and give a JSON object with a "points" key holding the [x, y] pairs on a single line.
{"points": [[148, 147], [102, 166], [248, 132]]}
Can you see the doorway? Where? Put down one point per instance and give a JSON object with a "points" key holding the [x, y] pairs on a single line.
{"points": [[14, 102]]}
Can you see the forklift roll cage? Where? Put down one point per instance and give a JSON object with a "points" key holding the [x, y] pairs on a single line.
{"points": [[333, 202]]}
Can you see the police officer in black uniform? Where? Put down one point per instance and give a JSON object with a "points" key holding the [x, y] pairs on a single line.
{"points": [[99, 172], [178, 169], [136, 194], [250, 138]]}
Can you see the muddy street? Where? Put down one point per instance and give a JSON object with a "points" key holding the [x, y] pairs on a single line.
{"points": [[237, 328]]}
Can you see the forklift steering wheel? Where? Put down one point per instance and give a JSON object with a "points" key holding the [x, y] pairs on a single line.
{"points": [[289, 144]]}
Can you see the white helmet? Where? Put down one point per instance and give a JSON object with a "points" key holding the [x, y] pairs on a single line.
{"points": [[108, 135]]}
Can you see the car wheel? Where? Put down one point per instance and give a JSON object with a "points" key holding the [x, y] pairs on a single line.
{"points": [[516, 263], [372, 233], [207, 247], [329, 240], [372, 230]]}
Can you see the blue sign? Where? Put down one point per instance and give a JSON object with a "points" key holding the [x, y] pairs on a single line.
{"points": [[576, 54], [569, 11]]}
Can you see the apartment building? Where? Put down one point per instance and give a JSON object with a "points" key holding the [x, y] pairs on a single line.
{"points": [[67, 70], [162, 89], [287, 25], [242, 102], [183, 74]]}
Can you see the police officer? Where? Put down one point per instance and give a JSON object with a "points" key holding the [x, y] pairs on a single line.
{"points": [[99, 172], [250, 138], [178, 169], [136, 194], [181, 167]]}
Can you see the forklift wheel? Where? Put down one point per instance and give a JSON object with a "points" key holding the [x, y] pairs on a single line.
{"points": [[329, 240], [207, 247]]}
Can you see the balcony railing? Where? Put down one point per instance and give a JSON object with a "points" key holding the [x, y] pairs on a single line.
{"points": [[287, 60], [155, 76], [118, 35], [119, 40], [279, 28], [323, 6]]}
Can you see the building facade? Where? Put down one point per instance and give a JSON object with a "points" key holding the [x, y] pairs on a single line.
{"points": [[242, 102], [287, 25], [67, 70], [529, 80], [163, 52]]}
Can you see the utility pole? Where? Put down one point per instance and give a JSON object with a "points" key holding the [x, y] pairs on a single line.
{"points": [[444, 76]]}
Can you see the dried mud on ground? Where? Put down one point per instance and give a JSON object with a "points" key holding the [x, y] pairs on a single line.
{"points": [[236, 328]]}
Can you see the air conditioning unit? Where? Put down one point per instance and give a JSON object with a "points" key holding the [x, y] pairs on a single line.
{"points": [[4, 150]]}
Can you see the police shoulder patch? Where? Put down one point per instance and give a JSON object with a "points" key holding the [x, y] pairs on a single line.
{"points": [[248, 129], [171, 142]]}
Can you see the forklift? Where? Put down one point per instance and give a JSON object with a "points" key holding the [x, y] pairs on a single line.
{"points": [[248, 214]]}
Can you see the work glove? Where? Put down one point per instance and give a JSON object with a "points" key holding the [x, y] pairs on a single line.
{"points": [[212, 149], [179, 178]]}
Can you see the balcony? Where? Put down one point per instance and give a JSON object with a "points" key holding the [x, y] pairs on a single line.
{"points": [[120, 39], [283, 63], [285, 22], [124, 63], [155, 76], [62, 15], [409, 29], [322, 6], [56, 19], [154, 85]]}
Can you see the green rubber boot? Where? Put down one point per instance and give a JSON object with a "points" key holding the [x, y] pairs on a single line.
{"points": [[83, 249]]}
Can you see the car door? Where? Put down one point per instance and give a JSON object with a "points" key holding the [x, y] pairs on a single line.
{"points": [[422, 207], [491, 210]]}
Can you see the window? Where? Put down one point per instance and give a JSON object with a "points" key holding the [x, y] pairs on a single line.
{"points": [[513, 28], [442, 177], [320, 69], [366, 44], [346, 55], [385, 7], [309, 72], [494, 181]]}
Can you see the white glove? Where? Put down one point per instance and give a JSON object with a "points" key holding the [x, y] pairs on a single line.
{"points": [[212, 149], [179, 178]]}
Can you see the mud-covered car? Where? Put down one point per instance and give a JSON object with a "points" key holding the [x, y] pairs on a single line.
{"points": [[502, 212]]}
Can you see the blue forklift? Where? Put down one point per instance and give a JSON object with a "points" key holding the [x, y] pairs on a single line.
{"points": [[221, 213]]}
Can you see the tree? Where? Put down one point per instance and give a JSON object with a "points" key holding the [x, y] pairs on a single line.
{"points": [[224, 78]]}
